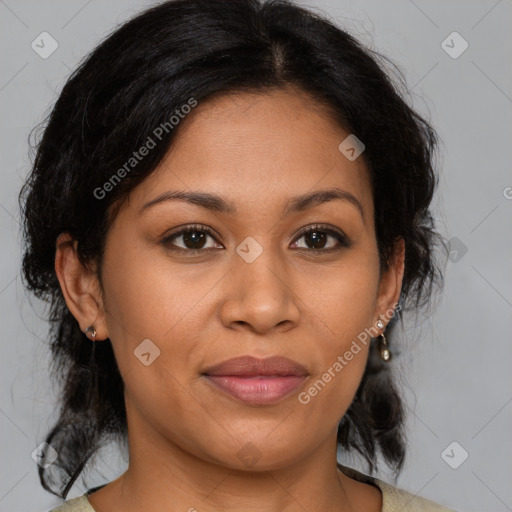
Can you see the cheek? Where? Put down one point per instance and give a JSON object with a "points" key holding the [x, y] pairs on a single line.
{"points": [[345, 295], [346, 308], [154, 313], [342, 358], [150, 297], [147, 297]]}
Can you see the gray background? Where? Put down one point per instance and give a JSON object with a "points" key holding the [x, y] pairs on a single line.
{"points": [[457, 364]]}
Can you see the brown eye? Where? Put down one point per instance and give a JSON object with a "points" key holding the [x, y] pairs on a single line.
{"points": [[194, 239], [316, 238]]}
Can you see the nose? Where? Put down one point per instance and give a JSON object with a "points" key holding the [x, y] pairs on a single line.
{"points": [[260, 295]]}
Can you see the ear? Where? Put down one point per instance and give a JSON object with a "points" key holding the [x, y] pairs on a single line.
{"points": [[391, 284], [80, 287]]}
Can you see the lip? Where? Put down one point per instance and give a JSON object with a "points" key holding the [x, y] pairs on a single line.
{"points": [[257, 381]]}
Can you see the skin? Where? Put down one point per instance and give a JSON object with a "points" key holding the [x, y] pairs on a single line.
{"points": [[256, 150]]}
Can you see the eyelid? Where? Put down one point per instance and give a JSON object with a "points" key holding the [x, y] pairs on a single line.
{"points": [[323, 227]]}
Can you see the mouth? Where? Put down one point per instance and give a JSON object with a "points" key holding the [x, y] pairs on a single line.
{"points": [[256, 381]]}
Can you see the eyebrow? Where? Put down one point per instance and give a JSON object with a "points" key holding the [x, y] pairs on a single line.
{"points": [[218, 204]]}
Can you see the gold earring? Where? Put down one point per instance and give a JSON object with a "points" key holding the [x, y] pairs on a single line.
{"points": [[385, 353]]}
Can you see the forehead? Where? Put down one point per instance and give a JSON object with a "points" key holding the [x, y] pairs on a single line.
{"points": [[257, 150]]}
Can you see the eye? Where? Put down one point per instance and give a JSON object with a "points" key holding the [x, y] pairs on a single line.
{"points": [[318, 235], [193, 237]]}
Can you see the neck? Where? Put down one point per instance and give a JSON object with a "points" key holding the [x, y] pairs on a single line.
{"points": [[163, 475]]}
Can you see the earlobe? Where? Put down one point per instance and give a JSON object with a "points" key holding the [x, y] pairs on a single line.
{"points": [[80, 286]]}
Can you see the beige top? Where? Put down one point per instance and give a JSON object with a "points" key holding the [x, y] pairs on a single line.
{"points": [[393, 499]]}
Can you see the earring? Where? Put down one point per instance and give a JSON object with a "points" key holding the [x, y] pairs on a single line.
{"points": [[91, 330], [385, 353]]}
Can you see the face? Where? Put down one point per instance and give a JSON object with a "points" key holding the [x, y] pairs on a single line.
{"points": [[267, 277]]}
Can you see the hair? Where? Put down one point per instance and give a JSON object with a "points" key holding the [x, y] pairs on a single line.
{"points": [[131, 83]]}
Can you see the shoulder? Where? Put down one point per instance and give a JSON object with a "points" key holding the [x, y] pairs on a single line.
{"points": [[80, 504], [395, 499]]}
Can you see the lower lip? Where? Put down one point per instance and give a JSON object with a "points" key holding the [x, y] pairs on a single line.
{"points": [[257, 390]]}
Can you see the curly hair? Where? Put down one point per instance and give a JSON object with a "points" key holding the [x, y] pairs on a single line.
{"points": [[131, 83]]}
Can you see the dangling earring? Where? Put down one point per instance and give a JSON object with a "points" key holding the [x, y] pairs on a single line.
{"points": [[91, 330], [93, 369], [385, 353]]}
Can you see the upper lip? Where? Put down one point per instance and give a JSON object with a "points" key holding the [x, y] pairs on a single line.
{"points": [[249, 366]]}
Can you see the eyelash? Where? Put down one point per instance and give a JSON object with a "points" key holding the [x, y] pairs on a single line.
{"points": [[342, 239]]}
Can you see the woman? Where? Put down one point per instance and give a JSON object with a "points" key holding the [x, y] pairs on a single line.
{"points": [[227, 211]]}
